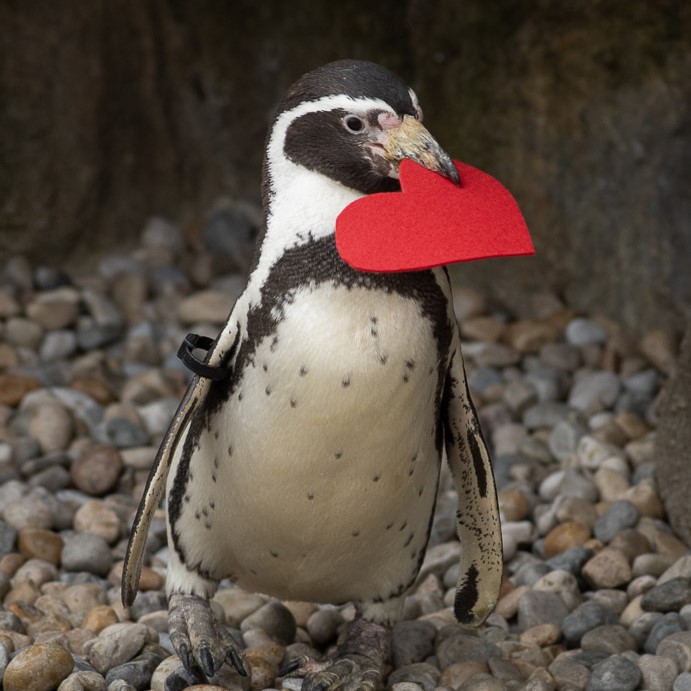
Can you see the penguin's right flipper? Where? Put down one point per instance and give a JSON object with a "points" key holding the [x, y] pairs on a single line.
{"points": [[221, 352], [153, 492]]}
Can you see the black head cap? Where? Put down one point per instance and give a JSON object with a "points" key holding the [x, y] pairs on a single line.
{"points": [[355, 78]]}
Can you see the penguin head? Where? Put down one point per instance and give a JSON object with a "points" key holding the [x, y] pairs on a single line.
{"points": [[353, 122]]}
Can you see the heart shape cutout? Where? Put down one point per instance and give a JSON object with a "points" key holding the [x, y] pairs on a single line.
{"points": [[432, 222]]}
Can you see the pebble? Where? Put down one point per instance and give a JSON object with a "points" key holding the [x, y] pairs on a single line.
{"points": [[594, 392], [616, 673], [565, 536], [540, 607], [657, 673], [43, 544], [581, 331], [274, 618], [609, 568], [97, 470], [412, 641], [87, 552], [117, 644], [421, 673], [619, 516], [669, 596], [40, 667], [584, 618]]}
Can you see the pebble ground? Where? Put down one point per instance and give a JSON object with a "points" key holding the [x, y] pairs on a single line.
{"points": [[597, 593]]}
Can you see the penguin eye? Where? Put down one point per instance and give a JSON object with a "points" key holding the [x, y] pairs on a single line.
{"points": [[354, 123]]}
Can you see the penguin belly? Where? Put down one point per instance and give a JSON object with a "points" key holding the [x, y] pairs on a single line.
{"points": [[322, 465]]}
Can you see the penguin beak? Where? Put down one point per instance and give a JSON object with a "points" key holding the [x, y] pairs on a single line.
{"points": [[412, 140]]}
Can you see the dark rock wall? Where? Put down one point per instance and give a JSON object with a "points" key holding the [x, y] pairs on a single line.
{"points": [[113, 110]]}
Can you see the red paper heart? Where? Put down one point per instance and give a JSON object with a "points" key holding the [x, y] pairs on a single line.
{"points": [[432, 222]]}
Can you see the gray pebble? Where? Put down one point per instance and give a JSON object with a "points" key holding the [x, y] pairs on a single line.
{"points": [[87, 552], [670, 596], [645, 383], [644, 624], [585, 617], [547, 414], [323, 625], [610, 638], [482, 379], [564, 438], [561, 356], [160, 232], [530, 573], [58, 345], [276, 619], [540, 607], [83, 681], [8, 538], [619, 516], [121, 685], [581, 331], [412, 641], [614, 674], [595, 391], [121, 433], [682, 682], [669, 624], [571, 560], [657, 672], [148, 601], [421, 673], [136, 672]]}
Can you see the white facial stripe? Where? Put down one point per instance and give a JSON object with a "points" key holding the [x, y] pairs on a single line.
{"points": [[358, 106], [416, 104]]}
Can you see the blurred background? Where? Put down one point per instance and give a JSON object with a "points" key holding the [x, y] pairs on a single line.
{"points": [[113, 111]]}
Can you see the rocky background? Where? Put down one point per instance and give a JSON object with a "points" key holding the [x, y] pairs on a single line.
{"points": [[112, 111]]}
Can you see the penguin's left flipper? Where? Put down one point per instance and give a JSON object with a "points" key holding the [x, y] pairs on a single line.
{"points": [[478, 527]]}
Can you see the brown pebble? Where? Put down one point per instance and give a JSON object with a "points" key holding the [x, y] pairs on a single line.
{"points": [[459, 672], [13, 388], [22, 592], [39, 668], [94, 388], [631, 543], [98, 617], [529, 336], [645, 498], [97, 470], [514, 504], [77, 640], [541, 635], [607, 569], [9, 563], [98, 518], [40, 544], [564, 536], [508, 604]]}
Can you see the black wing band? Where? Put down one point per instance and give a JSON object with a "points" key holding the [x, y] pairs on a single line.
{"points": [[193, 342]]}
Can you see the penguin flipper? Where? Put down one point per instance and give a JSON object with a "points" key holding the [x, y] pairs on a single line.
{"points": [[155, 486], [478, 526]]}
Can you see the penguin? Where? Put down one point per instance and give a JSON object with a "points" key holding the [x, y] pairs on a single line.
{"points": [[303, 461]]}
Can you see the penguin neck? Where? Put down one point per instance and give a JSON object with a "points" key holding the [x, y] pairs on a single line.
{"points": [[300, 206]]}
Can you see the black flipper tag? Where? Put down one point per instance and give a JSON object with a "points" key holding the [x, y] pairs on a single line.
{"points": [[192, 362]]}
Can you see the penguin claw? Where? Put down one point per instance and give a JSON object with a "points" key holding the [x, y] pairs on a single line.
{"points": [[202, 643], [207, 662], [289, 667]]}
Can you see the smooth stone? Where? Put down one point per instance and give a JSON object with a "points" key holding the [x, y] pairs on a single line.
{"points": [[561, 356], [547, 414], [40, 544], [83, 681], [274, 618], [541, 635], [482, 328], [657, 673], [568, 673], [482, 682], [609, 568], [98, 617], [530, 573], [644, 496], [571, 560], [680, 568], [565, 536], [28, 512], [669, 624], [563, 584], [631, 543], [23, 332], [121, 433], [669, 596], [412, 641], [98, 518], [616, 673], [457, 673], [136, 672], [97, 470], [575, 509], [58, 345], [117, 644], [613, 599], [51, 426], [87, 552], [421, 673], [581, 331], [612, 639], [611, 484], [678, 647], [8, 538], [461, 647], [584, 618], [210, 306], [564, 439], [39, 667], [595, 391], [592, 452], [540, 607], [643, 624], [682, 682], [147, 602], [619, 516], [14, 387], [323, 625], [514, 505]]}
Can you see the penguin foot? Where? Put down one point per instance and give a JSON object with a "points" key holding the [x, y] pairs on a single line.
{"points": [[357, 665], [202, 643]]}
